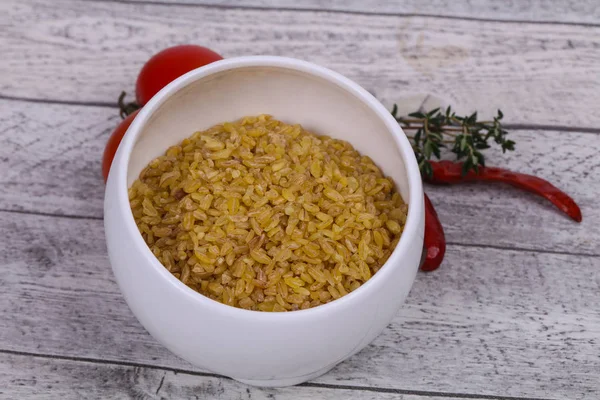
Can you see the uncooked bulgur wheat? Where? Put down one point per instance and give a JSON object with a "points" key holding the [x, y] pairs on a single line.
{"points": [[263, 215]]}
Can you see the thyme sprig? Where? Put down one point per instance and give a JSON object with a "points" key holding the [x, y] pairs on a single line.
{"points": [[466, 137]]}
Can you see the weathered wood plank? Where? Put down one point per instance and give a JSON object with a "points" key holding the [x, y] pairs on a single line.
{"points": [[536, 73], [50, 157], [44, 378], [489, 322], [572, 11]]}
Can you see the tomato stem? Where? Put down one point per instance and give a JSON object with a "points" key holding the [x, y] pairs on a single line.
{"points": [[126, 109]]}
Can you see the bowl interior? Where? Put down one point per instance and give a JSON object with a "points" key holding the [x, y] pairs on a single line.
{"points": [[290, 95]]}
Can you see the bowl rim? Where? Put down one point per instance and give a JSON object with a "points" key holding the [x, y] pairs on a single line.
{"points": [[415, 210]]}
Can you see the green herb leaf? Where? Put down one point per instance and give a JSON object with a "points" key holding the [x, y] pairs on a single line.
{"points": [[464, 136], [417, 114], [433, 112], [395, 110]]}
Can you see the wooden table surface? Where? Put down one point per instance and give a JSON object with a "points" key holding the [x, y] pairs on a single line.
{"points": [[514, 312]]}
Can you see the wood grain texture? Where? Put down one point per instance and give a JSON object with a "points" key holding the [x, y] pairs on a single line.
{"points": [[489, 322], [573, 11], [496, 320], [90, 51], [51, 156], [43, 378]]}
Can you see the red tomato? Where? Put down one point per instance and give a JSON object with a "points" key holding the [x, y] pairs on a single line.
{"points": [[168, 65], [113, 143]]}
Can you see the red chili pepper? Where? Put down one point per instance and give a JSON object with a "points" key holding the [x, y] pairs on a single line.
{"points": [[435, 240], [448, 172]]}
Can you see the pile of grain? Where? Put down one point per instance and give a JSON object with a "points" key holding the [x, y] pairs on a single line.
{"points": [[266, 216]]}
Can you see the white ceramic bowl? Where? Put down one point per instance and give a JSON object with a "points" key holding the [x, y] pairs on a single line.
{"points": [[258, 348]]}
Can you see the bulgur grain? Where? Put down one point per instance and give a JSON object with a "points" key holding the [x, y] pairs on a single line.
{"points": [[266, 216]]}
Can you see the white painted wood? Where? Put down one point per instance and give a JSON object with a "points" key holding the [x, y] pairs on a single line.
{"points": [[90, 51], [573, 11], [50, 156], [493, 322], [43, 378]]}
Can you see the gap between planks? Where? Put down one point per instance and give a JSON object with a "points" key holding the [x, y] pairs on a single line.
{"points": [[449, 243], [450, 395], [351, 12], [515, 126]]}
